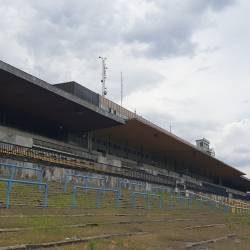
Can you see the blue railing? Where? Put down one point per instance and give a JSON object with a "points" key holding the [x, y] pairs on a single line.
{"points": [[15, 166], [24, 182], [133, 195], [98, 194], [215, 202], [87, 177], [154, 189], [179, 199], [133, 184]]}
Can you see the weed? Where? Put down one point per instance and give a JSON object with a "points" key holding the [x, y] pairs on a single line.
{"points": [[92, 244]]}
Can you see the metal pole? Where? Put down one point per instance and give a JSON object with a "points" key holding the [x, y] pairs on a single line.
{"points": [[11, 176], [209, 206], [8, 195], [133, 196], [153, 193], [86, 185], [171, 203], [74, 197], [104, 185], [98, 194], [160, 203], [132, 189], [180, 204], [117, 205], [188, 205], [45, 196], [65, 186], [41, 179]]}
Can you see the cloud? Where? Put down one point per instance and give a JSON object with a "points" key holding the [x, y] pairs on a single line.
{"points": [[168, 32], [234, 144]]}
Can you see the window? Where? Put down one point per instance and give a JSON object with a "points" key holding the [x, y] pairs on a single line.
{"points": [[201, 144], [129, 150], [119, 147], [114, 112], [146, 156], [134, 152], [114, 146], [139, 153], [125, 149], [98, 141]]}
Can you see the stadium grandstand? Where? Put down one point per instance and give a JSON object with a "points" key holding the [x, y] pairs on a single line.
{"points": [[67, 126]]}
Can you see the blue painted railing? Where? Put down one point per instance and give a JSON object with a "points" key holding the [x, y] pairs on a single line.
{"points": [[133, 184], [133, 195], [154, 189], [98, 194], [86, 185], [179, 199], [215, 202], [24, 182], [15, 166]]}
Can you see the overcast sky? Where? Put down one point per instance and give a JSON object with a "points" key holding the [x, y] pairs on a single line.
{"points": [[191, 57]]}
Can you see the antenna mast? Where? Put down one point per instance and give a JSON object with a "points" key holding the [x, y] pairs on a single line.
{"points": [[104, 92], [121, 89]]}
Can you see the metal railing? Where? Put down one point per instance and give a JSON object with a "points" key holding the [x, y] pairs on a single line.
{"points": [[133, 196], [15, 166], [133, 184], [98, 194], [155, 188], [86, 184], [24, 182]]}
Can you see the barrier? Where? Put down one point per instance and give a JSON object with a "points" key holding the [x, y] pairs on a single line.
{"points": [[162, 191], [179, 199], [87, 177], [225, 209], [15, 166], [133, 195], [24, 182], [98, 194], [133, 184]]}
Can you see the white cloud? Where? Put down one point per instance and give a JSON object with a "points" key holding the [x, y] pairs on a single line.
{"points": [[234, 144]]}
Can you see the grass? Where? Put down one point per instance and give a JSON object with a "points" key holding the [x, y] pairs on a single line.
{"points": [[165, 229]]}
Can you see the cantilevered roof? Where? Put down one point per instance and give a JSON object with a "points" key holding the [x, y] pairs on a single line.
{"points": [[26, 93], [140, 134]]}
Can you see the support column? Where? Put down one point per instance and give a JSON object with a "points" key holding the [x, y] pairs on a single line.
{"points": [[109, 143], [220, 179], [141, 154], [127, 149], [4, 116], [89, 141]]}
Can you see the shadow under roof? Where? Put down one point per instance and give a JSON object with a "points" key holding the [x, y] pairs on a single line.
{"points": [[138, 133], [26, 93]]}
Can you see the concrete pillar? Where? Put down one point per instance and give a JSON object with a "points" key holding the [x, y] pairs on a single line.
{"points": [[220, 179], [89, 141], [127, 149], [141, 154], [109, 143]]}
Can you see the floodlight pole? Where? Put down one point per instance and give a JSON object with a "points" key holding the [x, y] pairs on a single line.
{"points": [[104, 92]]}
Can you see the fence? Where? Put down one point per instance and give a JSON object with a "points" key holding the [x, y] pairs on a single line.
{"points": [[133, 196], [179, 199], [15, 166], [154, 189], [24, 182], [133, 184], [98, 194], [87, 177]]}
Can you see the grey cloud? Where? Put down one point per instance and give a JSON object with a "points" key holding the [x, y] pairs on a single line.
{"points": [[168, 32]]}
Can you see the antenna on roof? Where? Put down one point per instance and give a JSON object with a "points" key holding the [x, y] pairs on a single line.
{"points": [[104, 92], [121, 89]]}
